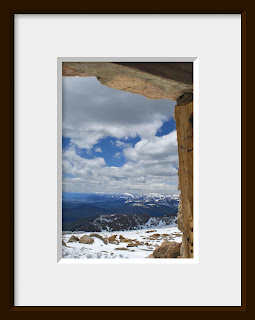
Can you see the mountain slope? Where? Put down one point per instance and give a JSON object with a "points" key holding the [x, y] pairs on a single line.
{"points": [[118, 222], [80, 210]]}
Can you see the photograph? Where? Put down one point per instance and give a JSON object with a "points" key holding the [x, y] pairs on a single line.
{"points": [[127, 160], [127, 157]]}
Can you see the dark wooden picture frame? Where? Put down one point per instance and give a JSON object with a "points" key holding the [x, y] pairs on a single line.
{"points": [[8, 126]]}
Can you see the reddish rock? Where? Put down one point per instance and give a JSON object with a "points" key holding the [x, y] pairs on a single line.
{"points": [[167, 250]]}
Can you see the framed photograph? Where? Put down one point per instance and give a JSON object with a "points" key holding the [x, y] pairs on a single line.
{"points": [[128, 173]]}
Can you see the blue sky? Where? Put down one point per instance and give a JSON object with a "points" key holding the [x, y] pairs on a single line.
{"points": [[108, 148], [114, 141]]}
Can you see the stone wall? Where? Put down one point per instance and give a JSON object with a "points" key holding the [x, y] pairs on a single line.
{"points": [[184, 126], [172, 81]]}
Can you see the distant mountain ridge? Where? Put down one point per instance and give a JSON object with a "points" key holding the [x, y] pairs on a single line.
{"points": [[81, 208], [99, 196]]}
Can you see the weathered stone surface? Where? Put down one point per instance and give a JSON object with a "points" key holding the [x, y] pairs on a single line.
{"points": [[86, 239], [179, 71], [186, 98], [96, 235], [152, 80], [125, 240], [73, 239], [131, 245], [167, 250], [113, 239], [184, 126]]}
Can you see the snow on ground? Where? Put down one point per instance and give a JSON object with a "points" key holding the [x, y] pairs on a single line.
{"points": [[149, 239]]}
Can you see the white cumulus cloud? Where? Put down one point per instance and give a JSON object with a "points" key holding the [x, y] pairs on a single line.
{"points": [[92, 112]]}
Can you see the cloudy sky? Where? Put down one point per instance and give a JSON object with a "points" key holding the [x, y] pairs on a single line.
{"points": [[115, 141]]}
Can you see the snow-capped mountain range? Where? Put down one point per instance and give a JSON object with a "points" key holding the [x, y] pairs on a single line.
{"points": [[82, 211]]}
